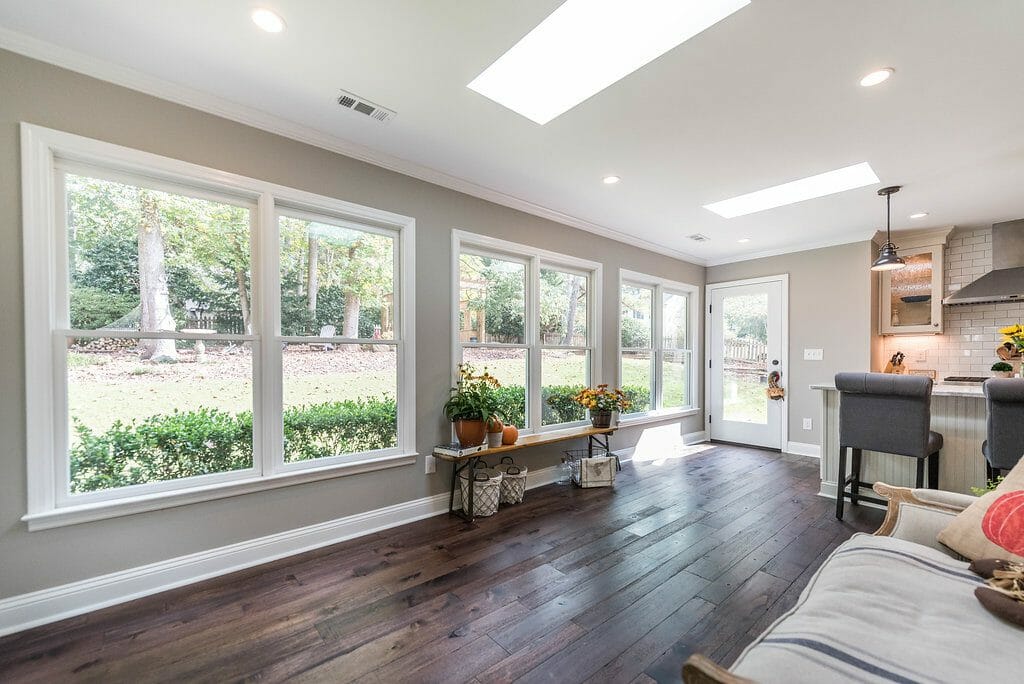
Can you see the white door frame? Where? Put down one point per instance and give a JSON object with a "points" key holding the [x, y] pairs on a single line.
{"points": [[783, 278]]}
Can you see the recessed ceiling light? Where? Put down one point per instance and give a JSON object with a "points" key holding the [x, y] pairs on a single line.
{"points": [[876, 77], [269, 21], [611, 180], [919, 215], [828, 183], [584, 46], [743, 241]]}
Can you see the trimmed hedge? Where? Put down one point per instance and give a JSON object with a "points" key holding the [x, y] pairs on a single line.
{"points": [[339, 427], [557, 405], [190, 443]]}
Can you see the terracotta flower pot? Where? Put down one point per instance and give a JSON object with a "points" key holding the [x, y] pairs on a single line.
{"points": [[470, 432], [510, 434]]}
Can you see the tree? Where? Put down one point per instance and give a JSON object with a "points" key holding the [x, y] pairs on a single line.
{"points": [[153, 292], [333, 263], [312, 279], [746, 317]]}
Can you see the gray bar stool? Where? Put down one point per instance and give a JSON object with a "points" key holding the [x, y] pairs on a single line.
{"points": [[886, 413], [1005, 426]]}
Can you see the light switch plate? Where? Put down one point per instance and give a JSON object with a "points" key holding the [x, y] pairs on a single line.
{"points": [[814, 354], [807, 424]]}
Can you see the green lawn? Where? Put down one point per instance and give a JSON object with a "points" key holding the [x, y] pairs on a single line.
{"points": [[99, 403], [744, 398]]}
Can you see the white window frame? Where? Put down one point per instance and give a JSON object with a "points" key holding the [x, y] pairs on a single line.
{"points": [[534, 259], [44, 152], [659, 287]]}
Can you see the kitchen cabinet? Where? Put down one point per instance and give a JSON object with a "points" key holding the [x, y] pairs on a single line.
{"points": [[911, 297]]}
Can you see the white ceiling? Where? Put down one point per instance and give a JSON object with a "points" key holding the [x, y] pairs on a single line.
{"points": [[768, 95]]}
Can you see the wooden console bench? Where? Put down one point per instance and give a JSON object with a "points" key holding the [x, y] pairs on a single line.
{"points": [[470, 461]]}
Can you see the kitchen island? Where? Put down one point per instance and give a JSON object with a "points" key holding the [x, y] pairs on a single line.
{"points": [[958, 414]]}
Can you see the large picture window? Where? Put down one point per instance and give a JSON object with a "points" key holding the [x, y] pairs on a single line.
{"points": [[193, 334], [528, 317], [657, 326]]}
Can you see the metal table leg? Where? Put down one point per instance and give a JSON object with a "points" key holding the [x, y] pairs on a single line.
{"points": [[457, 468], [596, 439]]}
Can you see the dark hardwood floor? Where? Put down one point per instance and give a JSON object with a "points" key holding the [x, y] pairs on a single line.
{"points": [[699, 553]]}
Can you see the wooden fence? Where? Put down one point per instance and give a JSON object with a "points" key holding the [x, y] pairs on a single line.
{"points": [[745, 350]]}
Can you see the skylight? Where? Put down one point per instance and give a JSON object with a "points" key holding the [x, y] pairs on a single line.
{"points": [[584, 46], [828, 183]]}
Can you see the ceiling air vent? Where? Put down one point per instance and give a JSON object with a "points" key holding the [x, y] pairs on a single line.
{"points": [[699, 237], [363, 106]]}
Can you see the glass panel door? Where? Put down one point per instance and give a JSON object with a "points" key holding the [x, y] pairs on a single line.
{"points": [[746, 347]]}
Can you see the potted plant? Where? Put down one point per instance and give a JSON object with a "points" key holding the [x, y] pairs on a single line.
{"points": [[1002, 369], [1014, 334], [601, 402], [472, 405], [495, 428]]}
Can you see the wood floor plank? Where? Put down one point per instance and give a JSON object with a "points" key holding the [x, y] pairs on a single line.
{"points": [[696, 553]]}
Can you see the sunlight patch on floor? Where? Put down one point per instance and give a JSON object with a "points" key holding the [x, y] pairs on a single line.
{"points": [[661, 444]]}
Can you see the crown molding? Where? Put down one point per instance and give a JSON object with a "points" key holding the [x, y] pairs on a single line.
{"points": [[177, 93], [848, 238]]}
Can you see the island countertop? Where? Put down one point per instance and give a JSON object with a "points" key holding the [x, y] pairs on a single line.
{"points": [[959, 413], [939, 389]]}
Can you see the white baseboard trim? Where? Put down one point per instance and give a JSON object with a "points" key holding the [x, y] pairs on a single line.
{"points": [[828, 490], [68, 600], [803, 449], [695, 437]]}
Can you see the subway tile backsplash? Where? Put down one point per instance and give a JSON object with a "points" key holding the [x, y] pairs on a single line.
{"points": [[970, 332]]}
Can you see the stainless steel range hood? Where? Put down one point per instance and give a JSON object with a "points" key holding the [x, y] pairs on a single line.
{"points": [[1005, 282]]}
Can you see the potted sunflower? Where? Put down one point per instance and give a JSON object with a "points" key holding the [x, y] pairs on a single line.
{"points": [[601, 402], [473, 405], [1014, 335]]}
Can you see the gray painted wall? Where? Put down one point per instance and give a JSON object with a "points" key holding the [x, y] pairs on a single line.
{"points": [[829, 308], [49, 96]]}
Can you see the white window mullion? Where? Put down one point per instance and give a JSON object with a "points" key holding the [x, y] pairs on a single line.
{"points": [[533, 366], [268, 453], [657, 328], [403, 324]]}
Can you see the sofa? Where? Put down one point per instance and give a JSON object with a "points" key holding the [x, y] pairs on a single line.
{"points": [[895, 606]]}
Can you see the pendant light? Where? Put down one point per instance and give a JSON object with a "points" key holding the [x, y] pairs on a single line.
{"points": [[888, 259]]}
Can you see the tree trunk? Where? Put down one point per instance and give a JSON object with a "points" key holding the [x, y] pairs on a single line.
{"points": [[570, 312], [153, 293], [350, 324], [312, 277], [243, 301]]}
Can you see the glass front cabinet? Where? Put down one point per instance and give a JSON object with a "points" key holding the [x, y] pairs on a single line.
{"points": [[911, 297]]}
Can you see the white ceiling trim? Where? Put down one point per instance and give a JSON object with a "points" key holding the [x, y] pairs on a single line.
{"points": [[174, 92], [858, 236]]}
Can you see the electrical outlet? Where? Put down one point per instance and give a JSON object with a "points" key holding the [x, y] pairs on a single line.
{"points": [[430, 465], [814, 354], [807, 424]]}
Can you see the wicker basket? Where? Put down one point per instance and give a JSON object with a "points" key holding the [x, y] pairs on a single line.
{"points": [[513, 481], [486, 491], [591, 468]]}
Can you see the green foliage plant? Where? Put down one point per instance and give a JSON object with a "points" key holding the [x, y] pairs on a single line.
{"points": [[1001, 367]]}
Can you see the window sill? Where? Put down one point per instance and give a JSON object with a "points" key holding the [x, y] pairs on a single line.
{"points": [[73, 515], [658, 416]]}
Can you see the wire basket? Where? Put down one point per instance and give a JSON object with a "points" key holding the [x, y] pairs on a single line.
{"points": [[513, 481], [591, 467], [486, 491]]}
